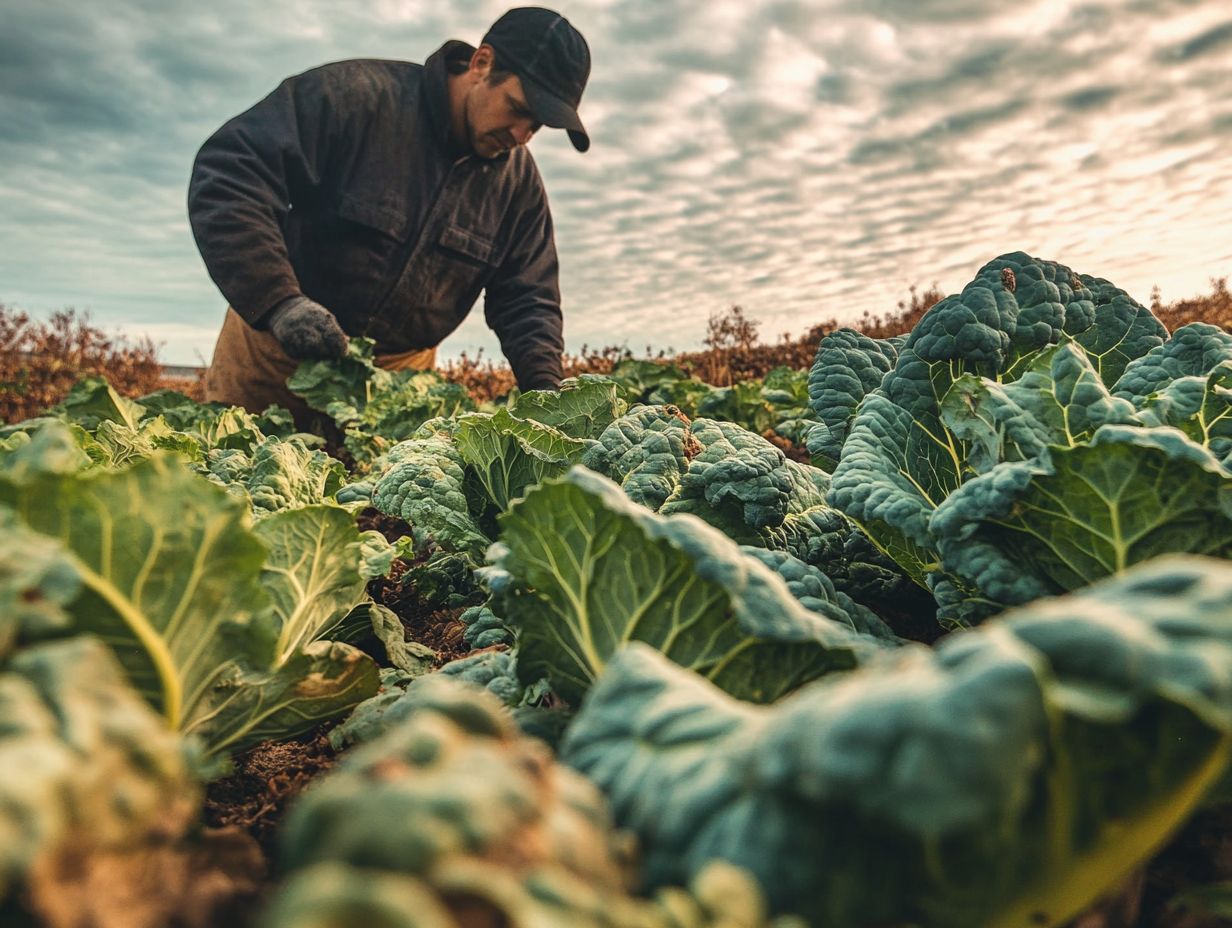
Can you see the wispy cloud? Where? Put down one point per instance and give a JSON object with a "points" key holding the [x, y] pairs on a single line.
{"points": [[804, 159]]}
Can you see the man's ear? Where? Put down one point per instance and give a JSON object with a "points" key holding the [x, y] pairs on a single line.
{"points": [[482, 60]]}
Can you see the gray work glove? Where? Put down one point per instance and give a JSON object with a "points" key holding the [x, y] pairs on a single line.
{"points": [[307, 330]]}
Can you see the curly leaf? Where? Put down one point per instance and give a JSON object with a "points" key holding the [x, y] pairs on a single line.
{"points": [[848, 366], [424, 483], [590, 571], [510, 455], [1193, 350], [582, 408], [1006, 778], [1035, 529]]}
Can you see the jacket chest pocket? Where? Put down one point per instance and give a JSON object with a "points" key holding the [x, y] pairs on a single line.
{"points": [[371, 216], [356, 248], [467, 245], [456, 268]]}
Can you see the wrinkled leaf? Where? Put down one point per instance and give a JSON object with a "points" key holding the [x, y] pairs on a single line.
{"points": [[588, 571]]}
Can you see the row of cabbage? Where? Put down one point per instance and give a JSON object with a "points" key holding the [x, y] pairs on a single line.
{"points": [[710, 633], [178, 582]]}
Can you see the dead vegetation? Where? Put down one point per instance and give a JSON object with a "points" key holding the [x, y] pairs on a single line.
{"points": [[41, 360]]}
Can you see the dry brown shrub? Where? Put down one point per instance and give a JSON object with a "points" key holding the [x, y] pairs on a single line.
{"points": [[909, 312], [192, 387], [733, 350], [1214, 307], [487, 379], [41, 360]]}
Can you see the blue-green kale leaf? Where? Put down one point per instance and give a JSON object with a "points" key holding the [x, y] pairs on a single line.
{"points": [[584, 570], [1008, 777]]}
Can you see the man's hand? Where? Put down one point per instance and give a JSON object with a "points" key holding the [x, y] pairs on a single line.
{"points": [[307, 330]]}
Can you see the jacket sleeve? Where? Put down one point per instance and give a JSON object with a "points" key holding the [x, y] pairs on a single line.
{"points": [[522, 301], [245, 179]]}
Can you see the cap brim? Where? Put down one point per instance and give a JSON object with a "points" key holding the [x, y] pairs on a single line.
{"points": [[552, 111]]}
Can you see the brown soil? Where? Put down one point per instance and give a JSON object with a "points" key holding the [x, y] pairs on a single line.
{"points": [[373, 520], [1200, 855], [439, 629], [266, 779], [793, 451]]}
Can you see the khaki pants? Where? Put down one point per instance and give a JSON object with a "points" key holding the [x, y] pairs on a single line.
{"points": [[250, 369]]}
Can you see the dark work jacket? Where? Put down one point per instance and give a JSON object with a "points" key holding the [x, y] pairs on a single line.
{"points": [[343, 185]]}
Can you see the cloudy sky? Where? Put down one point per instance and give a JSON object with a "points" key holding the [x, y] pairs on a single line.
{"points": [[805, 159]]}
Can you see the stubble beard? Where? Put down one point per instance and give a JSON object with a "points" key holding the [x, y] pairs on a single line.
{"points": [[483, 146]]}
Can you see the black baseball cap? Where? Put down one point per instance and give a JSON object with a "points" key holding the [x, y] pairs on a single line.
{"points": [[553, 62]]}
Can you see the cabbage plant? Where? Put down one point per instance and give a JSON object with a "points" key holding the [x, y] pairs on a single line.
{"points": [[1007, 777], [1029, 438], [217, 625]]}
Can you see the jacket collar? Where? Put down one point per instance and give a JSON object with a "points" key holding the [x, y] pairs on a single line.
{"points": [[436, 77]]}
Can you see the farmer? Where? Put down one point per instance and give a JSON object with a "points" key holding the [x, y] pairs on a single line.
{"points": [[378, 198]]}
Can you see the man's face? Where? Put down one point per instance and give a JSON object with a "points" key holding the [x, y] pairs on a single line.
{"points": [[497, 117]]}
